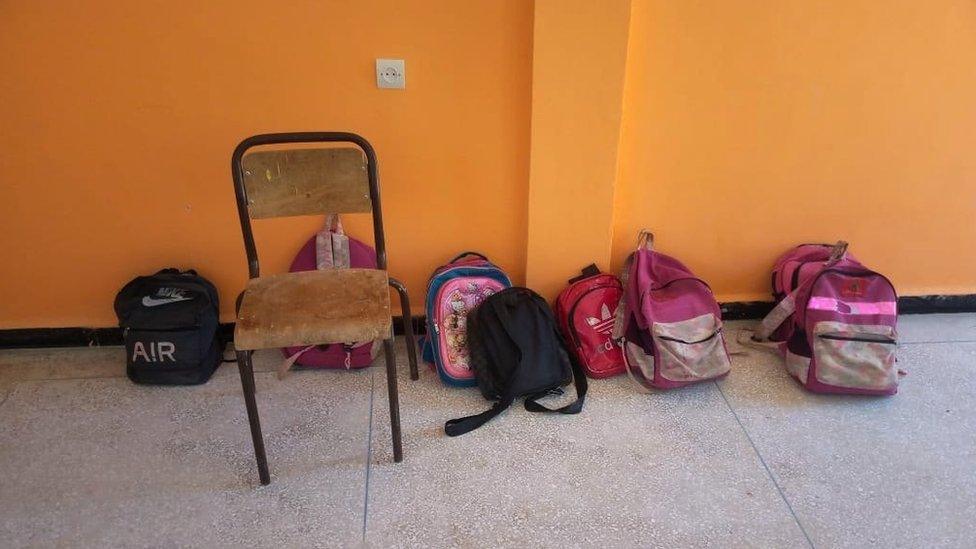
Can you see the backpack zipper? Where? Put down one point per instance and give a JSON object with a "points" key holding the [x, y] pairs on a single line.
{"points": [[885, 340], [126, 330], [676, 340]]}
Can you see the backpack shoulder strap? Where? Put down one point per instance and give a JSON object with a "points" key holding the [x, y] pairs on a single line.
{"points": [[579, 377], [780, 313], [621, 317], [787, 306], [462, 425]]}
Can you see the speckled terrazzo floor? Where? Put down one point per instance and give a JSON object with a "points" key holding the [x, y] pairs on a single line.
{"points": [[89, 459]]}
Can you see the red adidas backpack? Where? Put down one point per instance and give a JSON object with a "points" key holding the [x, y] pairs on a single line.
{"points": [[584, 313]]}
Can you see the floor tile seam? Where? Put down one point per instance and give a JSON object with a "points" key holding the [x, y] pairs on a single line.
{"points": [[369, 453], [762, 461]]}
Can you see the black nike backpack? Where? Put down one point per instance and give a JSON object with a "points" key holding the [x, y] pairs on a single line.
{"points": [[169, 323], [515, 350]]}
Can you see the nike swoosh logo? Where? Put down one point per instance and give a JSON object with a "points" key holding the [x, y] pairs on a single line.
{"points": [[153, 302]]}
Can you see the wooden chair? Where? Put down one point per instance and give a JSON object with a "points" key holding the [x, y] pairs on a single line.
{"points": [[314, 307]]}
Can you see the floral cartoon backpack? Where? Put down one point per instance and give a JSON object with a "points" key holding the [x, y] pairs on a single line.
{"points": [[453, 290]]}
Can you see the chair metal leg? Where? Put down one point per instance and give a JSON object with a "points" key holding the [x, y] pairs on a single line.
{"points": [[407, 327], [247, 382], [391, 384]]}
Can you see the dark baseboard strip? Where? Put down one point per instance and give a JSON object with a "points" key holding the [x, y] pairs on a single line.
{"points": [[907, 305], [23, 338], [745, 310], [930, 304], [739, 310]]}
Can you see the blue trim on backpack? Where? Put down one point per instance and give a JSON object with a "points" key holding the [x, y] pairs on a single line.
{"points": [[429, 350]]}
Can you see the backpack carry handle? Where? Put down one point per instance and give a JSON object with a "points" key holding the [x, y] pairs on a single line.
{"points": [[645, 239], [838, 252], [585, 272], [333, 224], [174, 270], [465, 254]]}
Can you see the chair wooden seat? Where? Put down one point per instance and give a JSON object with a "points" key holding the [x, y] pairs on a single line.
{"points": [[314, 307]]}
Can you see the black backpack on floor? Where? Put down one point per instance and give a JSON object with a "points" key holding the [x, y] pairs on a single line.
{"points": [[169, 322], [515, 350]]}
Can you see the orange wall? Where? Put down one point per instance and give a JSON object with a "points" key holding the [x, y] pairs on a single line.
{"points": [[117, 121], [579, 57], [732, 129], [751, 126]]}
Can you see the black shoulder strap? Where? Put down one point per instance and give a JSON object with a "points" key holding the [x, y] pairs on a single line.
{"points": [[467, 424], [462, 425], [579, 379]]}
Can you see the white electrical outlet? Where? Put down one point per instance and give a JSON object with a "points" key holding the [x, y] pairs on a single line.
{"points": [[390, 73]]}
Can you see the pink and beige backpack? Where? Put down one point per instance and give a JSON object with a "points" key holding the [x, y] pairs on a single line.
{"points": [[836, 327], [668, 322]]}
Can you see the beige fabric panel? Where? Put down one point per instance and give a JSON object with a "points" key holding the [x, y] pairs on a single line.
{"points": [[289, 182], [314, 307]]}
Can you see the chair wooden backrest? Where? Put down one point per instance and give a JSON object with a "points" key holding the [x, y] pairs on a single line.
{"points": [[290, 182], [306, 181]]}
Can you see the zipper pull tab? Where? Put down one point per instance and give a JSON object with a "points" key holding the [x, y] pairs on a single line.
{"points": [[348, 362]]}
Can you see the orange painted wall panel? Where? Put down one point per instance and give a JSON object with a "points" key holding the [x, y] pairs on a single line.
{"points": [[579, 56], [117, 121], [751, 126], [745, 128]]}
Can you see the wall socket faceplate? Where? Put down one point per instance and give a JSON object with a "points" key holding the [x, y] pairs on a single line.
{"points": [[391, 73]]}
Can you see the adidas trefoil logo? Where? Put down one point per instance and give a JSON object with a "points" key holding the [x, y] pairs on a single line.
{"points": [[604, 324]]}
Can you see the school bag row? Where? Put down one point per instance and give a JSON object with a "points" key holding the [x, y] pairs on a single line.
{"points": [[834, 322]]}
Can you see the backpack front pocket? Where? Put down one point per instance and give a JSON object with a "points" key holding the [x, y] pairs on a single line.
{"points": [[690, 350], [855, 356]]}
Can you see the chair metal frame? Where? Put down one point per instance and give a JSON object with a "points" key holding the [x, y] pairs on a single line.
{"points": [[244, 362]]}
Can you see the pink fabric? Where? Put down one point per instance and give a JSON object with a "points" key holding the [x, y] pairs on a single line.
{"points": [[335, 355], [853, 307], [455, 299], [658, 290], [800, 263], [849, 293]]}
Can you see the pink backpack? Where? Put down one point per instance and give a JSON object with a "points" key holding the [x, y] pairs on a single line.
{"points": [[792, 269], [668, 322], [330, 248], [840, 328], [452, 292]]}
